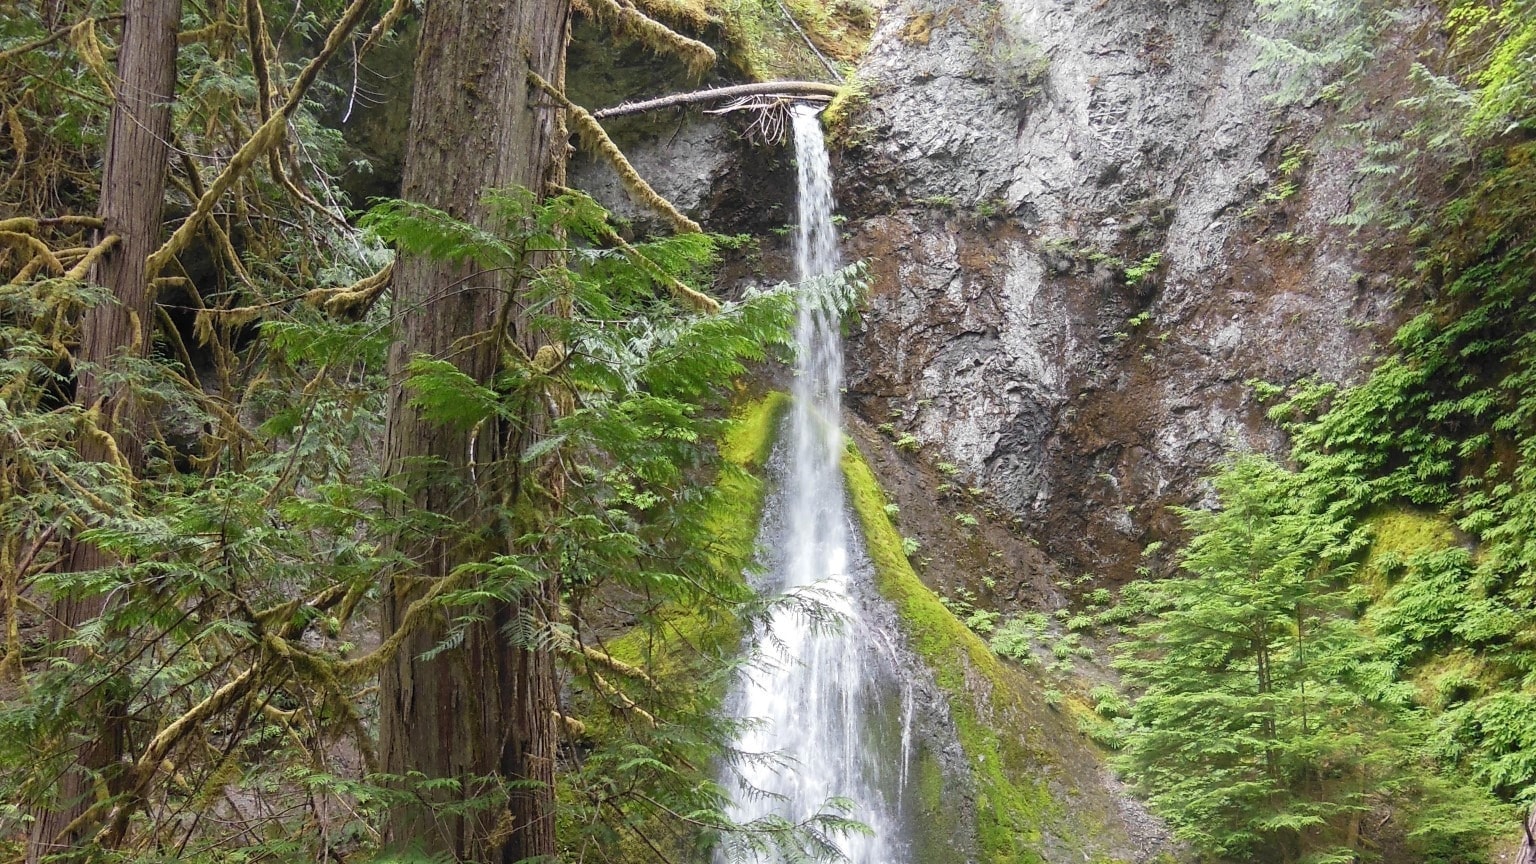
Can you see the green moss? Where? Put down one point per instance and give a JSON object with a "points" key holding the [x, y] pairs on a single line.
{"points": [[1397, 536], [750, 438], [839, 117], [1446, 680], [937, 812], [1012, 801], [673, 644]]}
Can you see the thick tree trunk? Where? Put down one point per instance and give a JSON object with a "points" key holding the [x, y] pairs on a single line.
{"points": [[482, 709], [132, 196]]}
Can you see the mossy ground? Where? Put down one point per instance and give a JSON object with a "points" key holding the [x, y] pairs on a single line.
{"points": [[1013, 803], [1397, 536]]}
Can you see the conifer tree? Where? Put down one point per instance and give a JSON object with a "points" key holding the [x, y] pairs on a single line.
{"points": [[482, 711], [1251, 731]]}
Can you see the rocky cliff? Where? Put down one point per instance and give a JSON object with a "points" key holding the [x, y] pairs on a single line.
{"points": [[1089, 229]]}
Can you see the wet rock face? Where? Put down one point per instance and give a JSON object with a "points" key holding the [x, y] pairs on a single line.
{"points": [[1083, 247]]}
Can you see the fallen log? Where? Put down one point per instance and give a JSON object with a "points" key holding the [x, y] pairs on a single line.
{"points": [[787, 89]]}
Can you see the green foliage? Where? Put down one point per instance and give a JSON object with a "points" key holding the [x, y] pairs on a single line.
{"points": [[1311, 47], [259, 538], [1267, 727], [645, 378], [1504, 76], [1019, 636], [257, 548], [1135, 273]]}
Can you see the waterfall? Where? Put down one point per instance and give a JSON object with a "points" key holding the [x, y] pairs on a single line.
{"points": [[829, 702]]}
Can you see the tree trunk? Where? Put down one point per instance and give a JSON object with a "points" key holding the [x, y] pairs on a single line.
{"points": [[1528, 842], [482, 709], [132, 196]]}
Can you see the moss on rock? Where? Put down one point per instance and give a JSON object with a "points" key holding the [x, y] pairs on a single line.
{"points": [[1397, 536], [1013, 801], [682, 633]]}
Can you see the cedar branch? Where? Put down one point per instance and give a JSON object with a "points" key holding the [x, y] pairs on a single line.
{"points": [[263, 139]]}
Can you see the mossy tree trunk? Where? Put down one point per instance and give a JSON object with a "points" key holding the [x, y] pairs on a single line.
{"points": [[132, 197], [482, 711]]}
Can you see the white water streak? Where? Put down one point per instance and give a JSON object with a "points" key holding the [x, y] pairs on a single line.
{"points": [[818, 694]]}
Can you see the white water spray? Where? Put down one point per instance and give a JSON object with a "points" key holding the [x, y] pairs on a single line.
{"points": [[829, 703]]}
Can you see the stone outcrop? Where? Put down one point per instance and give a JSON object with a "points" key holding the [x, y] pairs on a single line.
{"points": [[1089, 228]]}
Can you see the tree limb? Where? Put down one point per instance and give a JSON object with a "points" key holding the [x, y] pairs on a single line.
{"points": [[265, 137], [715, 94], [591, 134]]}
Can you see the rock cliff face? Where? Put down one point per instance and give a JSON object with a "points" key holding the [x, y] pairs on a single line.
{"points": [[1088, 230]]}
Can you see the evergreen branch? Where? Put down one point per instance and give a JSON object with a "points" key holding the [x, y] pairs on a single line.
{"points": [[369, 664], [697, 300], [39, 249]]}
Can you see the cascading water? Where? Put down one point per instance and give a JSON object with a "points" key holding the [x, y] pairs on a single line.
{"points": [[829, 702]]}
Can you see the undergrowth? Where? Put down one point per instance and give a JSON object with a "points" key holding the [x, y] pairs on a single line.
{"points": [[1432, 460]]}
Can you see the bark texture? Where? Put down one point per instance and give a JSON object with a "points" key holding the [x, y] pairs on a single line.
{"points": [[483, 708], [132, 195]]}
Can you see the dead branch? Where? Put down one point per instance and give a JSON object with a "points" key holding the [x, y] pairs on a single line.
{"points": [[790, 17], [787, 89]]}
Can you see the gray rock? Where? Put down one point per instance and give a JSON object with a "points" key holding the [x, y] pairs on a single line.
{"points": [[1002, 200]]}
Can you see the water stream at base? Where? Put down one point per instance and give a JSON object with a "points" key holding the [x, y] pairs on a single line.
{"points": [[831, 703]]}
